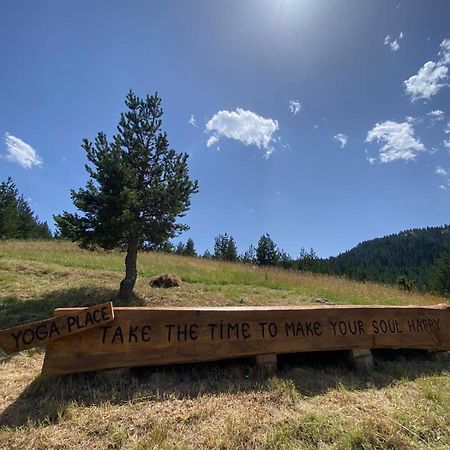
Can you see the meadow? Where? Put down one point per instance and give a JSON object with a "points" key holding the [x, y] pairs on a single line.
{"points": [[314, 401]]}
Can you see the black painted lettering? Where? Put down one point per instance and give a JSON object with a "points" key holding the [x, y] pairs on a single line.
{"points": [[105, 330], [89, 319], [317, 329], [53, 329], [436, 322], [309, 331], [273, 330], [79, 325], [41, 332], [263, 328], [233, 330], [182, 332], [16, 338], [289, 328], [412, 326], [333, 324], [212, 327], [245, 330], [105, 315], [133, 334], [169, 331], [98, 315], [375, 327], [117, 335], [193, 331], [145, 333], [342, 327], [30, 333], [361, 327], [70, 323]]}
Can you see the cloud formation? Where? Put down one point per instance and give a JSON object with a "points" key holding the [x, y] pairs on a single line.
{"points": [[399, 142], [431, 77], [441, 171], [342, 138], [294, 107], [428, 81], [20, 152], [192, 121], [393, 43], [244, 126]]}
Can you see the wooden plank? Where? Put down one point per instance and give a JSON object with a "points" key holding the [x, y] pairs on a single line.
{"points": [[157, 336], [39, 333]]}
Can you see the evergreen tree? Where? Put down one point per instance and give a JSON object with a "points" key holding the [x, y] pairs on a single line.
{"points": [[17, 219], [189, 249], [249, 256], [284, 260], [440, 275], [138, 187], [207, 255], [231, 252], [266, 251], [180, 248], [221, 246]]}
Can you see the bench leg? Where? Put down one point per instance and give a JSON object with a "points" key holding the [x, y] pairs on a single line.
{"points": [[267, 364], [360, 359]]}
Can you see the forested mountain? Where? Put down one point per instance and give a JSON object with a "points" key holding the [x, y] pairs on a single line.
{"points": [[17, 220], [409, 254]]}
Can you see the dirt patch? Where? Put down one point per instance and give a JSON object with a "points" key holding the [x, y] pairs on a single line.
{"points": [[165, 281]]}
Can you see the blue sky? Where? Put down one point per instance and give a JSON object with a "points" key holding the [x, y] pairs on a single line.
{"points": [[326, 121]]}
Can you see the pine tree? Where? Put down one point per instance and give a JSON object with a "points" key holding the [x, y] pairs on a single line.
{"points": [[138, 187], [180, 248], [231, 251], [440, 275], [220, 246], [189, 249], [17, 219], [249, 256], [266, 251]]}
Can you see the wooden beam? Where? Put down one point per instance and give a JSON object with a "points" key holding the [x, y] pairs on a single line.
{"points": [[39, 333], [158, 336]]}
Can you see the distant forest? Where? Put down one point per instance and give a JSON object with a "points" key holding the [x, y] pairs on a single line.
{"points": [[412, 259]]}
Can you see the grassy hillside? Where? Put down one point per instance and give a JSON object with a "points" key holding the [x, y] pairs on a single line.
{"points": [[313, 402]]}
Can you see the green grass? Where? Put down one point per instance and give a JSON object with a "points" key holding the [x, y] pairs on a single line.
{"points": [[312, 402]]}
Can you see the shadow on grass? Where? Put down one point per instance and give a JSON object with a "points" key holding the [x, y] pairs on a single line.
{"points": [[15, 311], [47, 401]]}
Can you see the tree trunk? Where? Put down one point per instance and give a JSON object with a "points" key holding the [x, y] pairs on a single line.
{"points": [[127, 284]]}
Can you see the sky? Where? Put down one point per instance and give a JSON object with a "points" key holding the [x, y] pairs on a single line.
{"points": [[322, 123]]}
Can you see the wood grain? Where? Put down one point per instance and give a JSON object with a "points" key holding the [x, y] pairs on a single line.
{"points": [[157, 336], [38, 333]]}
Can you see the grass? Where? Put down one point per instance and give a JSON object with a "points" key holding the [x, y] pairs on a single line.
{"points": [[314, 401]]}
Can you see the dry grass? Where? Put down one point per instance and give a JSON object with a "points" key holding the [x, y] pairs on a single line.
{"points": [[311, 403]]}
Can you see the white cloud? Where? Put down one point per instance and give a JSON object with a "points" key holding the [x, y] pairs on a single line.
{"points": [[342, 138], [294, 107], [447, 144], [393, 43], [436, 114], [212, 140], [441, 186], [20, 152], [244, 126], [428, 81], [371, 160], [447, 128], [445, 51], [398, 139], [192, 121], [441, 171]]}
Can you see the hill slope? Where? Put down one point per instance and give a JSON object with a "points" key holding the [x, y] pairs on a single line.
{"points": [[312, 402], [410, 253]]}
